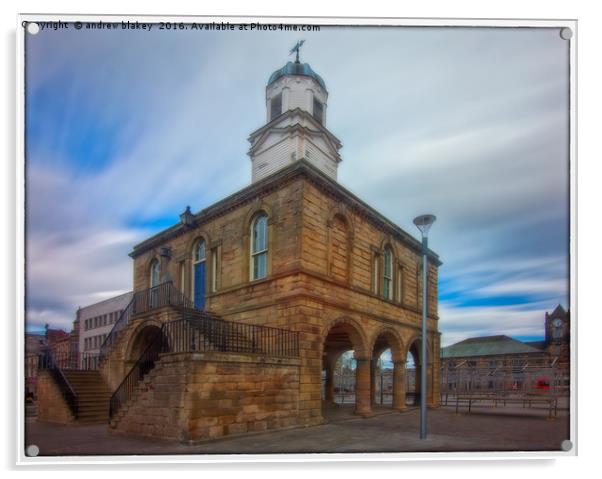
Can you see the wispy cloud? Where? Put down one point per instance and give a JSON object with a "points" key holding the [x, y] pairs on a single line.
{"points": [[125, 130]]}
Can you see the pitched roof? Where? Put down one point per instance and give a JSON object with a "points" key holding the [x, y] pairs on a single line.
{"points": [[487, 346], [536, 344], [558, 312]]}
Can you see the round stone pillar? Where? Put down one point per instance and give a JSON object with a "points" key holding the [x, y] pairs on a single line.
{"points": [[362, 386], [373, 381], [329, 386], [399, 385]]}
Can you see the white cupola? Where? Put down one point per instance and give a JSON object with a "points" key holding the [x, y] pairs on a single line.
{"points": [[296, 111]]}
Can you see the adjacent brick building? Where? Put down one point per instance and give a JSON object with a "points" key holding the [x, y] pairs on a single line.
{"points": [[504, 363]]}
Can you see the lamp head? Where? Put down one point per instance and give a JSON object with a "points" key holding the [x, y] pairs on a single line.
{"points": [[424, 223]]}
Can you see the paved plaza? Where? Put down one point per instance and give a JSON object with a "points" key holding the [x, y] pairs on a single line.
{"points": [[485, 429]]}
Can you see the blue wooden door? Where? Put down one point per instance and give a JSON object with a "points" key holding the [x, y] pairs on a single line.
{"points": [[199, 285]]}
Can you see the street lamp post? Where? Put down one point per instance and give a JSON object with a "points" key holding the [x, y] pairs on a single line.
{"points": [[424, 223]]}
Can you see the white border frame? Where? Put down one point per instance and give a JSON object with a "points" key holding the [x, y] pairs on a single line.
{"points": [[278, 458]]}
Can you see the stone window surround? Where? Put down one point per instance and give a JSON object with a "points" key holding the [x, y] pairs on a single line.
{"points": [[349, 230], [266, 251], [154, 268], [195, 260]]}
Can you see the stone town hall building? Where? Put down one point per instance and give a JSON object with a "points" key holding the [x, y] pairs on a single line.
{"points": [[240, 309]]}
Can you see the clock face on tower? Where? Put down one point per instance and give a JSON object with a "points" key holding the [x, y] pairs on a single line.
{"points": [[557, 323]]}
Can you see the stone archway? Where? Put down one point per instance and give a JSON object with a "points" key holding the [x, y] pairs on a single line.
{"points": [[414, 372], [144, 345], [142, 341], [414, 377], [388, 381], [339, 337]]}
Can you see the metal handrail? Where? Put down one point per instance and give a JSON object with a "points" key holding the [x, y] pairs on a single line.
{"points": [[143, 365], [198, 331], [71, 360], [118, 326], [164, 294], [48, 363]]}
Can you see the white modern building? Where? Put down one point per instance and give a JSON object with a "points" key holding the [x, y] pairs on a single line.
{"points": [[97, 320]]}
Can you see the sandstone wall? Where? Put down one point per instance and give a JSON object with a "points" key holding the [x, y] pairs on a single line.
{"points": [[197, 396], [323, 252], [51, 405]]}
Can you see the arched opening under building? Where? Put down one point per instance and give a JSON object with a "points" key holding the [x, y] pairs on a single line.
{"points": [[382, 379], [387, 371], [339, 373], [413, 373], [344, 379], [145, 349]]}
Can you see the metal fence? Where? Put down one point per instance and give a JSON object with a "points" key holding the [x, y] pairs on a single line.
{"points": [[197, 331], [69, 361], [165, 294], [48, 363], [344, 386], [518, 378]]}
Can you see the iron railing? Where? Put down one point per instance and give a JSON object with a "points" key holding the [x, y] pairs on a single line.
{"points": [[143, 365], [198, 331], [510, 379], [48, 363], [71, 361], [164, 294]]}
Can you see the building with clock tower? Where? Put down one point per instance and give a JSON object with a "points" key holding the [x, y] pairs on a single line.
{"points": [[241, 310], [557, 334]]}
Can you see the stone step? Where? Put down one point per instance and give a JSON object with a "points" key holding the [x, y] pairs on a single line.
{"points": [[93, 396], [85, 382], [90, 391], [90, 400], [93, 415], [93, 410], [92, 420]]}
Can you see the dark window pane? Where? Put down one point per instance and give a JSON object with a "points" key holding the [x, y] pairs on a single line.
{"points": [[318, 111], [276, 106]]}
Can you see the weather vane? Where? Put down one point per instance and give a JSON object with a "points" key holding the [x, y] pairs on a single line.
{"points": [[296, 49]]}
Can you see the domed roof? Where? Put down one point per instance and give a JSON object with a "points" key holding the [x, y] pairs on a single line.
{"points": [[296, 68]]}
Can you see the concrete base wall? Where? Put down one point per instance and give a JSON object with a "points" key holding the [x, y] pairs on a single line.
{"points": [[196, 396], [52, 407]]}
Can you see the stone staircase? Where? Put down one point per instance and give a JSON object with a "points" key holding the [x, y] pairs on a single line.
{"points": [[142, 389], [93, 396]]}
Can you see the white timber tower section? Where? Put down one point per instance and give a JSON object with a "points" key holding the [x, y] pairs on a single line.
{"points": [[295, 129]]}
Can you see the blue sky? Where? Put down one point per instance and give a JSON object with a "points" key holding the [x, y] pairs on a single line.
{"points": [[124, 129]]}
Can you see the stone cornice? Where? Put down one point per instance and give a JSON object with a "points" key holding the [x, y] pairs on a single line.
{"points": [[326, 279], [290, 113], [300, 169], [302, 130]]}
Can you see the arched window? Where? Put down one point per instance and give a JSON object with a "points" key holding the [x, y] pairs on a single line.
{"points": [[198, 274], [400, 281], [155, 273], [276, 106], [388, 273], [199, 252], [375, 274], [259, 247]]}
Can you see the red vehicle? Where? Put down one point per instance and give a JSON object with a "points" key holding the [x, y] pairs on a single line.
{"points": [[542, 383]]}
